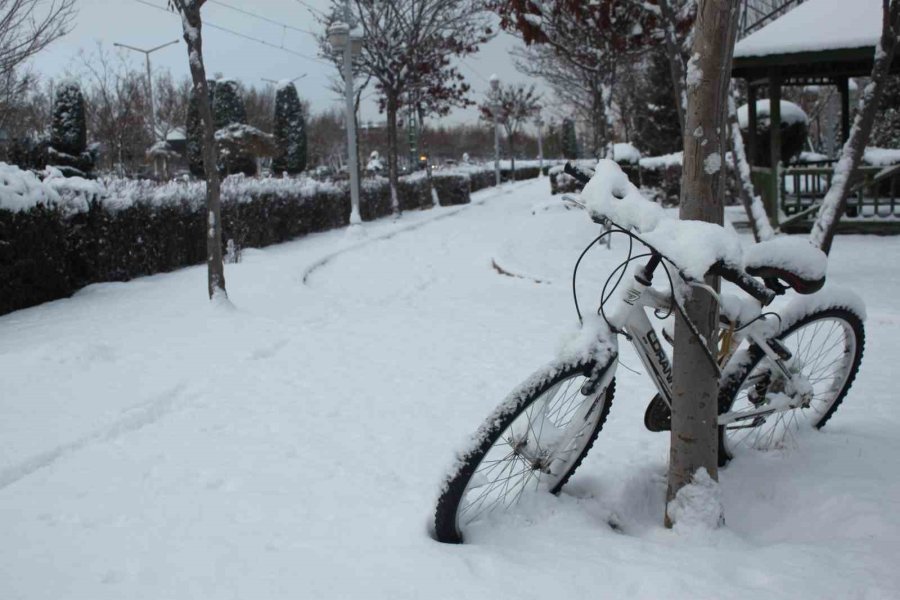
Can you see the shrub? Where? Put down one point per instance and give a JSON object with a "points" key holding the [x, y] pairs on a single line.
{"points": [[289, 131], [68, 133], [60, 234]]}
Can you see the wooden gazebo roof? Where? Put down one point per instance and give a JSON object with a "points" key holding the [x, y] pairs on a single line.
{"points": [[819, 41]]}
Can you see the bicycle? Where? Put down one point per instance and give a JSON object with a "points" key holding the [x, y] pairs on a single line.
{"points": [[777, 370]]}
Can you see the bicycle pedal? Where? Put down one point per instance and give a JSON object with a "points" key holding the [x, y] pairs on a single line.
{"points": [[658, 416]]}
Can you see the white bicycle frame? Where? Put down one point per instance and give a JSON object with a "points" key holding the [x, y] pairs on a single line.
{"points": [[630, 317]]}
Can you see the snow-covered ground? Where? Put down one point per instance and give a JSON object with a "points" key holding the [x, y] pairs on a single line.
{"points": [[155, 446]]}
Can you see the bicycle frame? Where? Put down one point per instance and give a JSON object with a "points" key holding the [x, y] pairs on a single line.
{"points": [[631, 318]]}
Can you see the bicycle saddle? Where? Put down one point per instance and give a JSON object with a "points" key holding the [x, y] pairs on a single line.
{"points": [[787, 262]]}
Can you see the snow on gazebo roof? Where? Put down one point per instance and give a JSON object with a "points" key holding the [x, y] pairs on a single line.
{"points": [[817, 25]]}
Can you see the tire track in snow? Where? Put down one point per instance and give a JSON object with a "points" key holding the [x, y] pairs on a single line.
{"points": [[134, 419], [323, 261]]}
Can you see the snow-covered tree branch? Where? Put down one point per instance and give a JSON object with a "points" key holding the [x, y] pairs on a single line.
{"points": [[835, 201]]}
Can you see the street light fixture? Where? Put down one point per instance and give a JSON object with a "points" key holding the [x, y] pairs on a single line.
{"points": [[348, 43], [147, 53], [495, 111], [276, 82]]}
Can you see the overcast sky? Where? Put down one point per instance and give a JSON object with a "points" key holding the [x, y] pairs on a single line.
{"points": [[137, 24]]}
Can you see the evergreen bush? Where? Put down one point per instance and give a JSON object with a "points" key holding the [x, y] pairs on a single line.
{"points": [[68, 133], [228, 109], [289, 131]]}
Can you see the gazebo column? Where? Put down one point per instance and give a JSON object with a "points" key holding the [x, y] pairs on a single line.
{"points": [[751, 122], [843, 86], [774, 146]]}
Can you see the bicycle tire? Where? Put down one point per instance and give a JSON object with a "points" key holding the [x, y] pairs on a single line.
{"points": [[490, 436], [817, 416]]}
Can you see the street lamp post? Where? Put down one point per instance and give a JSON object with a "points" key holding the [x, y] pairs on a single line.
{"points": [[147, 53], [495, 110], [343, 40], [539, 123]]}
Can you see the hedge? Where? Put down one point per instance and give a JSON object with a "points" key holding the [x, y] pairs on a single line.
{"points": [[50, 250]]}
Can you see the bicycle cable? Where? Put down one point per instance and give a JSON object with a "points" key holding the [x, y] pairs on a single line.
{"points": [[621, 270]]}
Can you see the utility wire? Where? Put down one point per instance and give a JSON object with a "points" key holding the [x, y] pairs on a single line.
{"points": [[313, 10], [261, 17], [472, 69], [240, 35]]}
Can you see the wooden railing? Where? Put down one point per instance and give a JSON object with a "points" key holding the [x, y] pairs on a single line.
{"points": [[874, 201]]}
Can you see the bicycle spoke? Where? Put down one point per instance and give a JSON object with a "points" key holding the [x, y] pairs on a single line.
{"points": [[822, 355]]}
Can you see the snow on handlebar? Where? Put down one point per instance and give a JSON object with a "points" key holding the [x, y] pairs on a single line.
{"points": [[695, 247]]}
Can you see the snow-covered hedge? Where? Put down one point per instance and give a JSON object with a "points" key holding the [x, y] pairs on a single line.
{"points": [[59, 234]]}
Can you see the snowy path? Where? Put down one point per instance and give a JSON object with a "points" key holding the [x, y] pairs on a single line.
{"points": [[152, 446]]}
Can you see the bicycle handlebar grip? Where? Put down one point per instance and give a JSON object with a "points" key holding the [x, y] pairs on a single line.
{"points": [[746, 282], [577, 173]]}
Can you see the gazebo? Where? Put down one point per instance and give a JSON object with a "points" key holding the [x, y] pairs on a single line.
{"points": [[820, 42]]}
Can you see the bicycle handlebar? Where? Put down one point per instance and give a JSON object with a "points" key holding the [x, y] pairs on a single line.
{"points": [[576, 172], [738, 277], [745, 281]]}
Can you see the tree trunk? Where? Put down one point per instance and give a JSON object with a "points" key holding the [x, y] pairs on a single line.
{"points": [[510, 139], [424, 150], [694, 438], [191, 21], [756, 212], [391, 109], [676, 63], [835, 202], [598, 116]]}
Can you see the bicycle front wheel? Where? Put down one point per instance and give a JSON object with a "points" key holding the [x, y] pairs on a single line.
{"points": [[533, 441], [826, 349]]}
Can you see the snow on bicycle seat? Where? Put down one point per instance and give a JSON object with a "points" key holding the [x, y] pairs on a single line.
{"points": [[792, 260]]}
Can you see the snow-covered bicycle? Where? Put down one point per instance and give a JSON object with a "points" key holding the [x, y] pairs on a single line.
{"points": [[779, 371]]}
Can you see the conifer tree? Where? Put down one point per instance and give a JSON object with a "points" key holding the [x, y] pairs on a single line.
{"points": [[194, 131], [657, 127], [289, 132], [68, 132], [886, 133], [228, 109], [569, 140]]}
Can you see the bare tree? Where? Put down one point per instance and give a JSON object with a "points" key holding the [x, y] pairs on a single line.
{"points": [[171, 99], [835, 201], [694, 439], [516, 103], [24, 106], [676, 16], [407, 41], [753, 204], [117, 108], [260, 106], [577, 46], [29, 26], [191, 22], [326, 142]]}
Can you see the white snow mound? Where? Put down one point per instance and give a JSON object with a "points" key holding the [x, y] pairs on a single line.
{"points": [[698, 505]]}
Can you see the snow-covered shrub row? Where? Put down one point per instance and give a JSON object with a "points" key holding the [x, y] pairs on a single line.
{"points": [[60, 234], [452, 188]]}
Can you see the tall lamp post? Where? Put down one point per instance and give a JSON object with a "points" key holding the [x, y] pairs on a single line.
{"points": [[539, 123], [147, 53], [349, 44], [495, 111]]}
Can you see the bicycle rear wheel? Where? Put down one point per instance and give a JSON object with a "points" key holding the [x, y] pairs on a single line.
{"points": [[533, 441], [826, 349]]}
